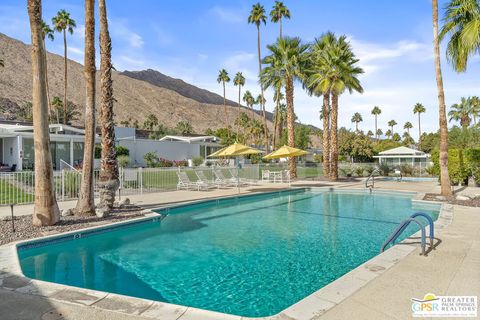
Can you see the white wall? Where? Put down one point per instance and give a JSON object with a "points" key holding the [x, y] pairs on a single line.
{"points": [[10, 152], [170, 150]]}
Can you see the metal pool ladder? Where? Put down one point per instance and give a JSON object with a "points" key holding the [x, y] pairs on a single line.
{"points": [[372, 178], [404, 224]]}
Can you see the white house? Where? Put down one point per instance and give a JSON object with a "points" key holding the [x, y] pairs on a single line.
{"points": [[16, 145], [403, 155]]}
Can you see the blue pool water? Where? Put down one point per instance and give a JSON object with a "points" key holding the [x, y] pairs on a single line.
{"points": [[249, 256]]}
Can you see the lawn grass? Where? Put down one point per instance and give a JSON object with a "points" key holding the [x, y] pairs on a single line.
{"points": [[11, 194]]}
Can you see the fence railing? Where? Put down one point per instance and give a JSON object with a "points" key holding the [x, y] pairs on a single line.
{"points": [[19, 187]]}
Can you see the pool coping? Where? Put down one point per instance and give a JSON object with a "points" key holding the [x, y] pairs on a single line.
{"points": [[313, 305]]}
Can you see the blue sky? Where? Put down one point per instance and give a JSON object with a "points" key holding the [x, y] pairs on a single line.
{"points": [[192, 40]]}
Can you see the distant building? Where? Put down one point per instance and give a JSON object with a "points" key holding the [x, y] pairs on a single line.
{"points": [[403, 155]]}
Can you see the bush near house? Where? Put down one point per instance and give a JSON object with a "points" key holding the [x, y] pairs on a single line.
{"points": [[153, 161], [462, 164], [197, 161], [122, 151]]}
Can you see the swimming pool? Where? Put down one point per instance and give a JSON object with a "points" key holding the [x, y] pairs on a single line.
{"points": [[250, 256]]}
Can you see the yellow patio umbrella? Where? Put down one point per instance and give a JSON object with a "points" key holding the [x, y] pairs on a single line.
{"points": [[285, 152], [215, 154]]}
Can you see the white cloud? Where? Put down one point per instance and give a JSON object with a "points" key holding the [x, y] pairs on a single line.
{"points": [[228, 14], [120, 29]]}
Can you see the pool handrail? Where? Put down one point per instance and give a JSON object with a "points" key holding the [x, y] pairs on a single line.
{"points": [[395, 234], [371, 176], [430, 224]]}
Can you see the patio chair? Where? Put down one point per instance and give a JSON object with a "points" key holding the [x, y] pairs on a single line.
{"points": [[202, 178], [265, 175], [184, 182], [232, 182]]}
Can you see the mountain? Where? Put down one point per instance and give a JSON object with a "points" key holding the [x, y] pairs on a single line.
{"points": [[178, 85], [137, 94]]}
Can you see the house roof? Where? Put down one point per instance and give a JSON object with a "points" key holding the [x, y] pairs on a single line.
{"points": [[190, 139], [402, 151]]}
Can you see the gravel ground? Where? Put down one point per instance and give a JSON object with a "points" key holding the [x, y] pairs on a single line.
{"points": [[451, 200], [25, 230]]}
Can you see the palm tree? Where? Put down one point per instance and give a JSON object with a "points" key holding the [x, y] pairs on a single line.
{"points": [[46, 210], [391, 124], [257, 16], [376, 111], [287, 59], [388, 133], [277, 98], [224, 78], [47, 32], [357, 118], [63, 23], [462, 22], [419, 108], [444, 177], [279, 11], [239, 81], [337, 72], [249, 101], [370, 133], [378, 132], [461, 112], [109, 182], [85, 204], [474, 108], [408, 125]]}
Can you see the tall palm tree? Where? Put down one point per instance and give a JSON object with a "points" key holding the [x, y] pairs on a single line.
{"points": [[391, 124], [224, 78], [239, 81], [46, 210], [249, 101], [63, 23], [277, 98], [85, 204], [376, 111], [419, 109], [461, 112], [462, 22], [389, 133], [407, 126], [47, 32], [109, 182], [378, 132], [257, 17], [444, 177], [357, 118], [339, 73], [288, 59], [279, 11], [474, 108]]}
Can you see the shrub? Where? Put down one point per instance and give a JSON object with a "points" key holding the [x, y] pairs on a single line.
{"points": [[430, 170], [456, 165], [180, 163], [472, 163], [406, 169], [98, 151], [197, 161], [384, 169], [122, 151], [151, 159], [162, 162], [359, 171], [318, 158], [123, 161]]}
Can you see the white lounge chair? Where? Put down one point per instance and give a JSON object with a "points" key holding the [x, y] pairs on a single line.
{"points": [[220, 177], [202, 178], [184, 182], [234, 173]]}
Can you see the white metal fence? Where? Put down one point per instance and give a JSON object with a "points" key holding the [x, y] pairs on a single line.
{"points": [[18, 187]]}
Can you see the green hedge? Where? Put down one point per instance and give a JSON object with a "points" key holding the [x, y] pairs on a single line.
{"points": [[462, 164]]}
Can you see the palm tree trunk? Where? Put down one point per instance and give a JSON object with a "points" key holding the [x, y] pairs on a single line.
{"points": [[109, 181], [46, 77], [85, 204], [444, 177], [326, 135], [275, 124], [262, 103], [376, 129], [225, 105], [280, 21], [334, 139], [65, 77], [419, 128], [45, 212], [291, 125], [238, 109]]}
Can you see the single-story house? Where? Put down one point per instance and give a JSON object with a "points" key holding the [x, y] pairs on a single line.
{"points": [[403, 155], [16, 145]]}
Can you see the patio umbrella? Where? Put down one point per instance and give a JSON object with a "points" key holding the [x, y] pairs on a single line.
{"points": [[235, 150], [285, 152]]}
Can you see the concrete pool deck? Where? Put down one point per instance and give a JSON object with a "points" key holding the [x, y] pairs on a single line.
{"points": [[452, 269]]}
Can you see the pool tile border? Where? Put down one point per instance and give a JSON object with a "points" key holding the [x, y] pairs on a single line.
{"points": [[312, 306]]}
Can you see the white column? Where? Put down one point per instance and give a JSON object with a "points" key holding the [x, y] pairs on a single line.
{"points": [[71, 152], [19, 153]]}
